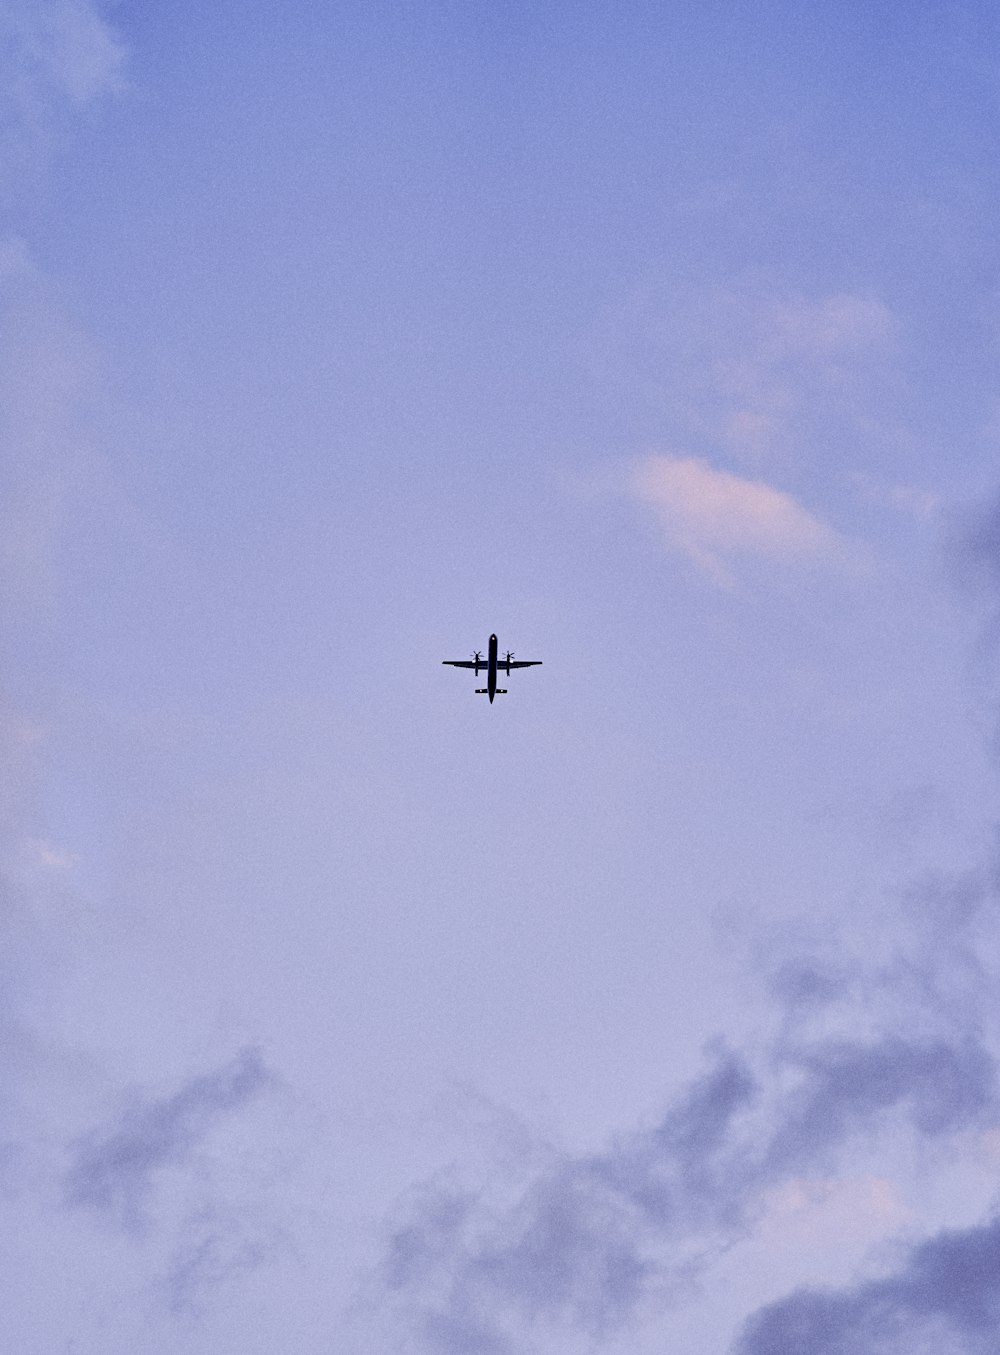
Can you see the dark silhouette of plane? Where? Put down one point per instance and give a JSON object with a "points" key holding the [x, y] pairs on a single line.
{"points": [[492, 663]]}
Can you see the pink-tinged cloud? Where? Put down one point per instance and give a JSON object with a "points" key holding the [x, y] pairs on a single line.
{"points": [[715, 516]]}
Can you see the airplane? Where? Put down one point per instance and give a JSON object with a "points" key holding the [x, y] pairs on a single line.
{"points": [[492, 663]]}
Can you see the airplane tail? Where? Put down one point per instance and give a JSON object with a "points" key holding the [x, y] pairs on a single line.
{"points": [[484, 691]]}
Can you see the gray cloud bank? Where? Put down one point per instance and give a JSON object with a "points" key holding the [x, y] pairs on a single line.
{"points": [[865, 1056], [945, 1298]]}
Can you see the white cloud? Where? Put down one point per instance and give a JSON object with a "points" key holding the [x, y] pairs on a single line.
{"points": [[714, 516]]}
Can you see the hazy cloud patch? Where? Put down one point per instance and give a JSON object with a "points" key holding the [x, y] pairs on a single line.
{"points": [[114, 1168], [795, 350], [216, 1245], [974, 548], [49, 387], [57, 48], [756, 372], [911, 500]]}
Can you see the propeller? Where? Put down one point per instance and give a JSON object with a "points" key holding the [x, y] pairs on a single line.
{"points": [[477, 659], [507, 661]]}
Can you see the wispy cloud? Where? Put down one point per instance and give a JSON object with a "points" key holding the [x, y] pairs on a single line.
{"points": [[49, 387], [795, 350], [910, 500], [114, 1168], [56, 57], [758, 373], [57, 49], [217, 1243], [716, 517]]}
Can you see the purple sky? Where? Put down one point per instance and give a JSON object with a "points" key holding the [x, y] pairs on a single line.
{"points": [[651, 1008]]}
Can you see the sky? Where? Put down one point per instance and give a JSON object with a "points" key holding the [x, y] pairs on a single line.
{"points": [[651, 1008]]}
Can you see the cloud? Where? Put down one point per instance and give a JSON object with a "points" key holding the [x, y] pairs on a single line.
{"points": [[590, 1242], [757, 372], [56, 58], [941, 1294], [57, 48], [910, 500], [114, 1168], [156, 1169], [793, 351], [216, 1244], [872, 1056], [940, 1085], [48, 386], [714, 516], [810, 1209], [973, 553], [576, 1244], [944, 1298], [975, 546]]}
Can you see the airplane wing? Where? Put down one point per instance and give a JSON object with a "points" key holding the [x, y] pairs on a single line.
{"points": [[501, 663]]}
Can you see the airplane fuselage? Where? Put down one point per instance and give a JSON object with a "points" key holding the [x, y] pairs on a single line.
{"points": [[491, 671]]}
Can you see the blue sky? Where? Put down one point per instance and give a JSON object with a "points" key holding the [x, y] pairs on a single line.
{"points": [[648, 1008]]}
